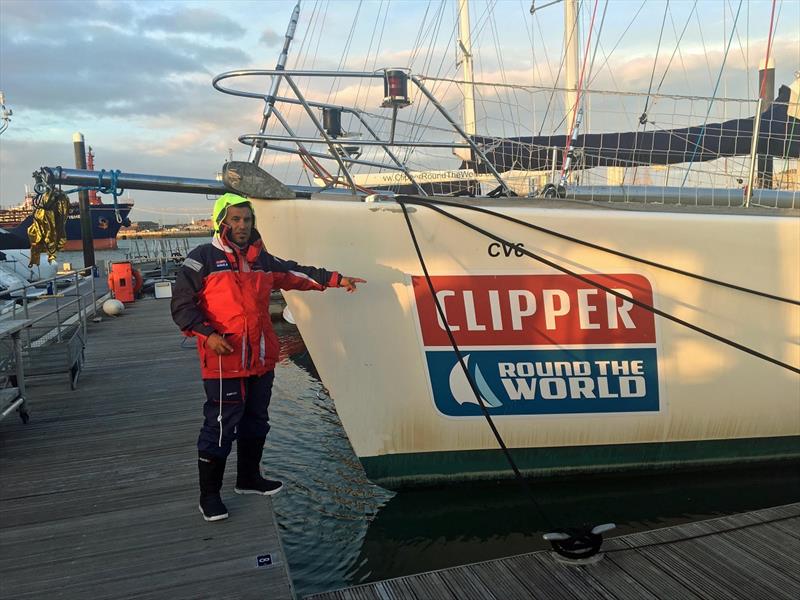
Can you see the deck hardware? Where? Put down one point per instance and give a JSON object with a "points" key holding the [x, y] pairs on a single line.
{"points": [[579, 542]]}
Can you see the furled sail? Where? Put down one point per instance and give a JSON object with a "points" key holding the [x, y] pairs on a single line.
{"points": [[779, 136]]}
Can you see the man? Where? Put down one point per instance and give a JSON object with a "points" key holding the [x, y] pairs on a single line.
{"points": [[221, 297]]}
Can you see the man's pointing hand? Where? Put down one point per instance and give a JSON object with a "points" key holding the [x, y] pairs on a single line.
{"points": [[349, 283]]}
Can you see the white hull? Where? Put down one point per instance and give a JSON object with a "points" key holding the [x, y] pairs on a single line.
{"points": [[372, 355]]}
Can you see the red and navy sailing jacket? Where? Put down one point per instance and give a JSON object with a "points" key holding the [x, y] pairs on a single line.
{"points": [[222, 289]]}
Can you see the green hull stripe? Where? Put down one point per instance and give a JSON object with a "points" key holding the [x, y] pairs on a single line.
{"points": [[425, 468]]}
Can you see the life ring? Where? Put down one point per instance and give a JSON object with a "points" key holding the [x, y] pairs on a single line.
{"points": [[138, 281]]}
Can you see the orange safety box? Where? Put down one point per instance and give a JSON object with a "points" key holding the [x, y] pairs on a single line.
{"points": [[122, 281]]}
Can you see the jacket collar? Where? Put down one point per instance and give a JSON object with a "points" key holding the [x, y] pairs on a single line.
{"points": [[222, 241]]}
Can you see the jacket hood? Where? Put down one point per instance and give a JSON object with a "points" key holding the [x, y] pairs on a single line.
{"points": [[221, 208]]}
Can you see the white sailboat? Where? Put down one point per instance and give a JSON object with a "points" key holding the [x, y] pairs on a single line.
{"points": [[575, 378], [655, 331]]}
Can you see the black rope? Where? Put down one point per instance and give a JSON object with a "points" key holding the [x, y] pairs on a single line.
{"points": [[606, 289], [461, 362], [424, 202], [689, 538]]}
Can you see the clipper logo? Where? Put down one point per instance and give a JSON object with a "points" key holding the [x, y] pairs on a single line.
{"points": [[540, 344]]}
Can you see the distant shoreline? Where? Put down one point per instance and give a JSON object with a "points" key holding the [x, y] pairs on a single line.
{"points": [[163, 234]]}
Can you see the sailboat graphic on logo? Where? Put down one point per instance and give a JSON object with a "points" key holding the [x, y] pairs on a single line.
{"points": [[462, 391]]}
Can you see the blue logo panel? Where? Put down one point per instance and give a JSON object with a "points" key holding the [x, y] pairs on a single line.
{"points": [[546, 382]]}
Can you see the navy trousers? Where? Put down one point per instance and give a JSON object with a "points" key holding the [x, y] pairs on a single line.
{"points": [[245, 413]]}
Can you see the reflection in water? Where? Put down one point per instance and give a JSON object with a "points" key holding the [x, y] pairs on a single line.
{"points": [[324, 511], [338, 529]]}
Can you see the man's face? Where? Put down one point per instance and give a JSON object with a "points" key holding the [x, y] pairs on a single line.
{"points": [[240, 220]]}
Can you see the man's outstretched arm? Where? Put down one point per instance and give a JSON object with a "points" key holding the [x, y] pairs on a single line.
{"points": [[288, 275]]}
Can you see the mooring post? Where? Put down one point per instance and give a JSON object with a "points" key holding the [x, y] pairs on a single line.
{"points": [[83, 200]]}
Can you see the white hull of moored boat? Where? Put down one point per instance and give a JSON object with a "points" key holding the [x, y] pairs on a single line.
{"points": [[575, 378]]}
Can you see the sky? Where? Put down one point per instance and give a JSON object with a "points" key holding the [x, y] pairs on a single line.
{"points": [[135, 77]]}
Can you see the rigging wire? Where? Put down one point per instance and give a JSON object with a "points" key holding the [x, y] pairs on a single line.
{"points": [[677, 46], [621, 37], [703, 43], [643, 118], [763, 86], [481, 402], [420, 109], [348, 42], [597, 44], [727, 7], [711, 102], [585, 279], [608, 250]]}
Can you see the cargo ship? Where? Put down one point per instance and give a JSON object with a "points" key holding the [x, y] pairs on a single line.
{"points": [[103, 216], [105, 224]]}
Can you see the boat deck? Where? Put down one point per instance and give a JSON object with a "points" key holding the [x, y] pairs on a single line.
{"points": [[750, 555], [99, 492]]}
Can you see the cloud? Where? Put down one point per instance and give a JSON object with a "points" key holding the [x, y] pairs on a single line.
{"points": [[30, 12], [191, 20], [270, 38], [101, 71]]}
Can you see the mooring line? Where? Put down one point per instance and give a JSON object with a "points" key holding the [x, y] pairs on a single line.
{"points": [[479, 398], [608, 290], [426, 202]]}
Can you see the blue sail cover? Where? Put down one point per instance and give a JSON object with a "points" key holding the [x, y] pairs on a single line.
{"points": [[779, 135]]}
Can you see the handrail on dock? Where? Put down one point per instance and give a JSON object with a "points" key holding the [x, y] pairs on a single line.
{"points": [[54, 338]]}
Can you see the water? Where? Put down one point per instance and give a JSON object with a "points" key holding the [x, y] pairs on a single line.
{"points": [[338, 529], [125, 247]]}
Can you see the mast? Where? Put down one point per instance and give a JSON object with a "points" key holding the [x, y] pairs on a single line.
{"points": [[571, 60], [257, 149], [468, 89]]}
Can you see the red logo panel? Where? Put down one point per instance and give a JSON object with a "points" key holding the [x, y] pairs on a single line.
{"points": [[526, 310]]}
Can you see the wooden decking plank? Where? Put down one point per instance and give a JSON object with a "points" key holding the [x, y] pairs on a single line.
{"points": [[732, 557], [430, 585], [774, 549], [778, 512], [655, 579], [115, 565], [617, 581], [544, 588], [498, 576], [779, 564], [198, 581], [707, 564], [729, 557], [463, 582], [392, 589], [99, 495], [396, 589], [687, 573], [540, 566], [789, 527], [106, 534]]}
